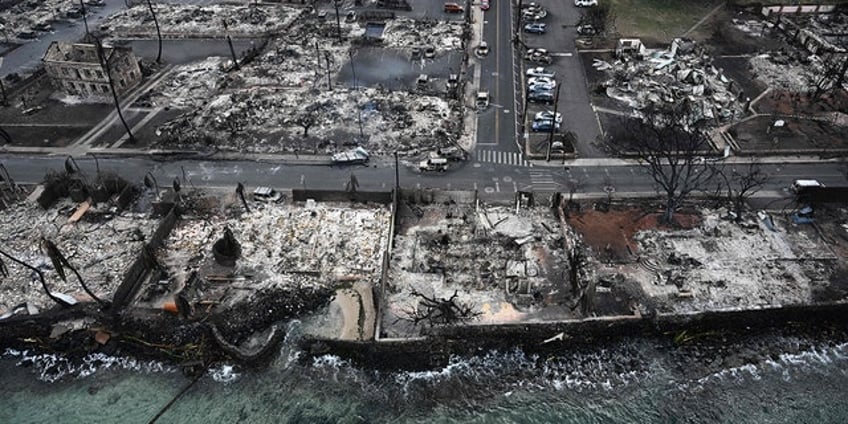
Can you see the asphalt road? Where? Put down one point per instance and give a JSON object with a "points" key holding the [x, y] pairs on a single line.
{"points": [[27, 57], [496, 124], [491, 180]]}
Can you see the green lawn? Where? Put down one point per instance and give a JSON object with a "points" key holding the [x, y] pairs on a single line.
{"points": [[659, 20]]}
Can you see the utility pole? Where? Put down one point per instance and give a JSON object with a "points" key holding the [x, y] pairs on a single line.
{"points": [[553, 123], [397, 172]]}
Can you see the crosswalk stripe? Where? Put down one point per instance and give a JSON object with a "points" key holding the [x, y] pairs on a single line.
{"points": [[501, 157]]}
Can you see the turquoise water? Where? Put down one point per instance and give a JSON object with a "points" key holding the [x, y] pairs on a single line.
{"points": [[783, 379]]}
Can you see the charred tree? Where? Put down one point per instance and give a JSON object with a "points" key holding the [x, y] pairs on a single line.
{"points": [[436, 311], [669, 141], [741, 184], [60, 262], [600, 17], [40, 275], [831, 75], [240, 192]]}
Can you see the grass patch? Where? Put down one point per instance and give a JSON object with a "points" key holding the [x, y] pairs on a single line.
{"points": [[659, 20]]}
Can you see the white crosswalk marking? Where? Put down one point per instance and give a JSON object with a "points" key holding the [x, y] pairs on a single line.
{"points": [[542, 180], [505, 158]]}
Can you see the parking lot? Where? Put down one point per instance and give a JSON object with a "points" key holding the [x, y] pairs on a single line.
{"points": [[574, 104]]}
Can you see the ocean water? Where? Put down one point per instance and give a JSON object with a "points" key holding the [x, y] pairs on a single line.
{"points": [[775, 379]]}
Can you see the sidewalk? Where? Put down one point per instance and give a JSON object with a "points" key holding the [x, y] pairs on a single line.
{"points": [[297, 159]]}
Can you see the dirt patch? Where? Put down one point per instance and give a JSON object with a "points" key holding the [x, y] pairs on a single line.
{"points": [[611, 234]]}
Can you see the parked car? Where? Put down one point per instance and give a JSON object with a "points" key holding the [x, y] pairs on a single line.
{"points": [[538, 56], [541, 97], [267, 194], [541, 80], [482, 100], [541, 87], [536, 28], [540, 72], [453, 153], [43, 27], [27, 35], [530, 5], [482, 49], [350, 17], [548, 115], [453, 82], [484, 5], [421, 81], [429, 52], [415, 53], [587, 30], [544, 126], [74, 13], [585, 3], [451, 7], [95, 3], [534, 14], [434, 163]]}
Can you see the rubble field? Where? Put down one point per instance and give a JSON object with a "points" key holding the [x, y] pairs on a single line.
{"points": [[261, 107], [23, 15], [721, 265], [285, 248], [179, 21], [612, 234], [101, 245], [507, 266], [684, 70]]}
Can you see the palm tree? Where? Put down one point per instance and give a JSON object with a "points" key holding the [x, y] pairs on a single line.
{"points": [[60, 261], [158, 33], [107, 69], [37, 272]]}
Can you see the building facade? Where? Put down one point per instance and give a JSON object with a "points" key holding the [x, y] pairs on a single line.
{"points": [[76, 69]]}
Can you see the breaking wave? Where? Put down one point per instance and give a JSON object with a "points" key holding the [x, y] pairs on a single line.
{"points": [[51, 367]]}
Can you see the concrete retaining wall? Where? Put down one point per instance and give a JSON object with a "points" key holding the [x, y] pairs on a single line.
{"points": [[135, 275], [435, 349]]}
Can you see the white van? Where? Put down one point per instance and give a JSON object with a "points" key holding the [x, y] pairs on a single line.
{"points": [[799, 185]]}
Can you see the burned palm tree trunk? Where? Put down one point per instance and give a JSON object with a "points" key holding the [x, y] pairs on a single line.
{"points": [[38, 272], [158, 33], [107, 69], [84, 18], [240, 192], [60, 262], [230, 43]]}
